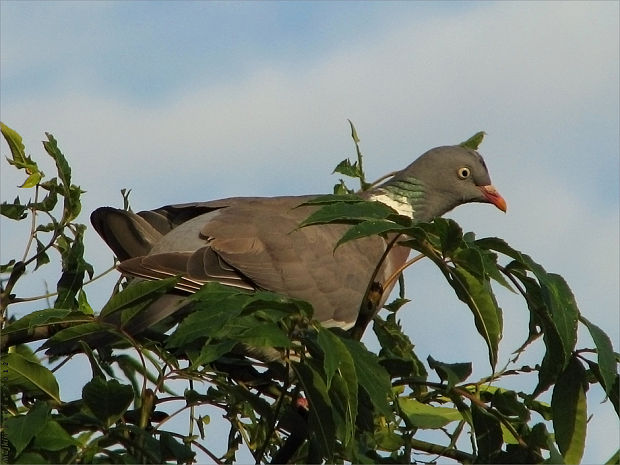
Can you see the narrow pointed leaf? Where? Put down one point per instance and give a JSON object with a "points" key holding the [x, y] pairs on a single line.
{"points": [[68, 339], [369, 228], [54, 437], [349, 213], [30, 377], [21, 429], [570, 416], [453, 373], [427, 416], [356, 139], [32, 180], [320, 422], [478, 295], [137, 292], [333, 198], [606, 357], [488, 434], [474, 141], [13, 211], [64, 170], [15, 143], [348, 169], [372, 377]]}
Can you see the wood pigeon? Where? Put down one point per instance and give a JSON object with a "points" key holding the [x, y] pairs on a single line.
{"points": [[255, 243]]}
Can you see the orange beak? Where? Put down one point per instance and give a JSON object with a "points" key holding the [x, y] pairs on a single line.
{"points": [[492, 196]]}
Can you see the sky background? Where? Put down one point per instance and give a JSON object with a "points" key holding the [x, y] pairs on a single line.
{"points": [[190, 101]]}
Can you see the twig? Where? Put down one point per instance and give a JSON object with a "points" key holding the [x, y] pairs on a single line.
{"points": [[437, 449], [402, 268], [365, 315]]}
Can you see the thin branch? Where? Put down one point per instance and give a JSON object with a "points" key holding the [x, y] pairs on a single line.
{"points": [[443, 451], [399, 271], [381, 179], [276, 414], [365, 316], [463, 393]]}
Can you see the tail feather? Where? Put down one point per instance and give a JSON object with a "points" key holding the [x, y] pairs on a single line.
{"points": [[126, 233]]}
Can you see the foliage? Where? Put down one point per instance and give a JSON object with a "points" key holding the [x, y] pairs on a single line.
{"points": [[308, 393]]}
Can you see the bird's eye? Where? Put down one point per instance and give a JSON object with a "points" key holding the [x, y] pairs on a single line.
{"points": [[464, 172]]}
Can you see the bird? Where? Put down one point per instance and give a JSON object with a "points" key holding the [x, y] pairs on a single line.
{"points": [[254, 243]]}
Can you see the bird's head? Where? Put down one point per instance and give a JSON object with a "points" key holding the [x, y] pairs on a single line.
{"points": [[448, 176]]}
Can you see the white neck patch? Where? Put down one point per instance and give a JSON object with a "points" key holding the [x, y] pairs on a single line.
{"points": [[398, 203]]}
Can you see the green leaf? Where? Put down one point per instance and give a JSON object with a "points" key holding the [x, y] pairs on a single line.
{"points": [[450, 235], [333, 350], [328, 199], [426, 416], [64, 170], [263, 335], [606, 356], [321, 425], [173, 449], [397, 351], [488, 434], [614, 391], [555, 292], [30, 458], [474, 141], [42, 317], [369, 228], [275, 307], [341, 188], [570, 416], [388, 440], [20, 430], [214, 309], [32, 180], [564, 311], [68, 339], [343, 392], [614, 459], [30, 377], [396, 304], [136, 293], [453, 373], [348, 169], [14, 211], [354, 136], [15, 143], [213, 351], [74, 267], [477, 294], [42, 257], [107, 400], [50, 200], [83, 304], [349, 212], [372, 377], [19, 158], [337, 358], [53, 437], [7, 267]]}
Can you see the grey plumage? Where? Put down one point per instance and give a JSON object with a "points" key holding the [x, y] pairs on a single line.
{"points": [[253, 243]]}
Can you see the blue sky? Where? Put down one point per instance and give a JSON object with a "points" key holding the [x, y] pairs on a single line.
{"points": [[184, 101]]}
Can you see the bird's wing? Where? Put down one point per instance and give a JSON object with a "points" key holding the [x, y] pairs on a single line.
{"points": [[254, 243]]}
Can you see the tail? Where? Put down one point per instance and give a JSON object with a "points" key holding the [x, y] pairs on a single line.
{"points": [[128, 234]]}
